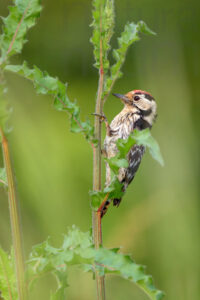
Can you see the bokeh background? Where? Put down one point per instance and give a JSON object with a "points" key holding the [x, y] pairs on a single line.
{"points": [[158, 220]]}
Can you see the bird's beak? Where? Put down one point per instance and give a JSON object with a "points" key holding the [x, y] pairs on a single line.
{"points": [[123, 98]]}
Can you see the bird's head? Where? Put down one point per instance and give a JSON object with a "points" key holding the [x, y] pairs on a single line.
{"points": [[142, 101]]}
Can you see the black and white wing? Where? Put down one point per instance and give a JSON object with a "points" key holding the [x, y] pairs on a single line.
{"points": [[134, 159]]}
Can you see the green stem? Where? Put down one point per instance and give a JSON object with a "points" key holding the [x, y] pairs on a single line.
{"points": [[14, 218], [96, 218]]}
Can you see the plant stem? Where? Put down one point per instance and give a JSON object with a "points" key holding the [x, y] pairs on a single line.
{"points": [[96, 218], [14, 218]]}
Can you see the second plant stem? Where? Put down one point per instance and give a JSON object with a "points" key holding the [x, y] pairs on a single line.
{"points": [[14, 218]]}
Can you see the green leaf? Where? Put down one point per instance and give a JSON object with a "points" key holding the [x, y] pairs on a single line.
{"points": [[22, 16], [74, 126], [96, 199], [128, 37], [3, 177], [48, 85], [124, 266], [103, 24], [114, 189], [61, 278], [145, 138], [8, 282], [115, 163], [77, 248], [145, 29]]}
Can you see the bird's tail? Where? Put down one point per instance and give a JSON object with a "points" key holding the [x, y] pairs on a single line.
{"points": [[106, 203], [116, 202]]}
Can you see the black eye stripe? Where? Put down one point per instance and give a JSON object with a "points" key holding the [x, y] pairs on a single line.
{"points": [[148, 96]]}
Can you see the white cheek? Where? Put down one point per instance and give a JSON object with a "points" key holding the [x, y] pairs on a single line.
{"points": [[144, 104]]}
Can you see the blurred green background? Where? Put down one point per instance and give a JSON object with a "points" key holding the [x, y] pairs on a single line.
{"points": [[158, 220]]}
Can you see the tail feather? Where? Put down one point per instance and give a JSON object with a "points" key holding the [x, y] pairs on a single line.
{"points": [[105, 205], [116, 202]]}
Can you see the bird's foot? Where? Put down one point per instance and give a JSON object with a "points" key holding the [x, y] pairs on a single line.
{"points": [[102, 117]]}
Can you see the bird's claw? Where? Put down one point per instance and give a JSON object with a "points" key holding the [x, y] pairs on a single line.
{"points": [[102, 117]]}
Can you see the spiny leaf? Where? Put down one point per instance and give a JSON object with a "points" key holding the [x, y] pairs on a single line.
{"points": [[61, 278], [124, 266], [145, 138], [96, 199], [103, 24], [76, 238], [8, 283], [77, 248], [22, 16], [115, 163], [48, 85], [47, 259], [144, 28], [114, 189], [129, 36]]}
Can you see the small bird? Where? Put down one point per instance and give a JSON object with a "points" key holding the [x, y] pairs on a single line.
{"points": [[139, 112]]}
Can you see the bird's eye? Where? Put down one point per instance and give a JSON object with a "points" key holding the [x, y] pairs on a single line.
{"points": [[136, 98]]}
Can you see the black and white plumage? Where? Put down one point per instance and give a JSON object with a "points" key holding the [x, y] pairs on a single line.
{"points": [[139, 112]]}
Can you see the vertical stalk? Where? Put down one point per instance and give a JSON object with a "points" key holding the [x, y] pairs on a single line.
{"points": [[96, 218], [14, 219]]}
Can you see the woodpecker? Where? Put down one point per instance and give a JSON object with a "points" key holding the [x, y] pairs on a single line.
{"points": [[139, 113]]}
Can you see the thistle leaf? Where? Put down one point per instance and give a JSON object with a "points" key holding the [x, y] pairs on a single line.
{"points": [[96, 199], [8, 282], [22, 16], [103, 24], [123, 265], [128, 37], [145, 138], [78, 249], [48, 85], [61, 279]]}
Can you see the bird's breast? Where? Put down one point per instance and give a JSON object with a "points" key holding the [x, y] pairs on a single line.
{"points": [[121, 127], [123, 124]]}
